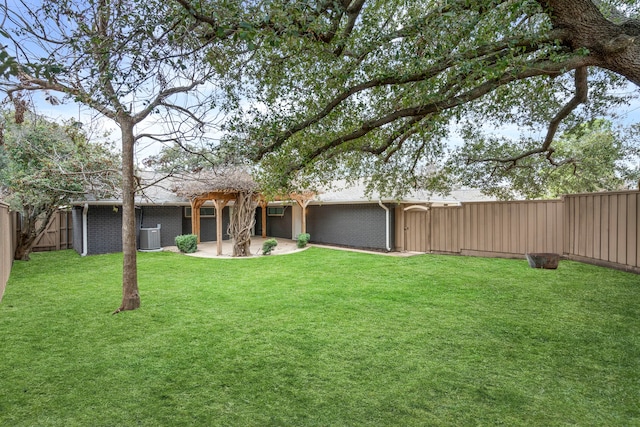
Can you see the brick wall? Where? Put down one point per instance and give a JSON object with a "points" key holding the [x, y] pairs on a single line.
{"points": [[104, 229], [359, 226], [170, 219], [280, 226]]}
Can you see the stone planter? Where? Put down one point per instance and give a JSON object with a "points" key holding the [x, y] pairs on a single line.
{"points": [[543, 260]]}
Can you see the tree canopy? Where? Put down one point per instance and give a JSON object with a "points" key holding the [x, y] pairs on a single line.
{"points": [[375, 88], [45, 166], [592, 156]]}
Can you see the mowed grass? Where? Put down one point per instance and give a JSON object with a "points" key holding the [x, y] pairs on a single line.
{"points": [[319, 338]]}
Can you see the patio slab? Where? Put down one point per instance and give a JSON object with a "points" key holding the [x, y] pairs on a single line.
{"points": [[210, 249], [285, 246]]}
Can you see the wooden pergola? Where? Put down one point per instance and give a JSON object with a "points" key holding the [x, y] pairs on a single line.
{"points": [[302, 199], [226, 187], [220, 200], [220, 187]]}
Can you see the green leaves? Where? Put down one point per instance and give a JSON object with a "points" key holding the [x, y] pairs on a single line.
{"points": [[348, 92], [47, 164], [592, 156]]}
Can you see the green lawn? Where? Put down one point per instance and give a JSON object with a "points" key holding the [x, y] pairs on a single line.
{"points": [[322, 338]]}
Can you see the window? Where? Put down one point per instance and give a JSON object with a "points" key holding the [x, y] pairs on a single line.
{"points": [[205, 212], [275, 210]]}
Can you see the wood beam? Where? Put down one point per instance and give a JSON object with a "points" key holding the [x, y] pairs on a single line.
{"points": [[263, 205], [195, 217], [303, 202]]}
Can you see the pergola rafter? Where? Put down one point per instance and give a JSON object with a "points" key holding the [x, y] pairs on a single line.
{"points": [[303, 199]]}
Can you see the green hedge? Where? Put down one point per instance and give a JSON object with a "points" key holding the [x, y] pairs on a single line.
{"points": [[303, 239], [187, 243], [268, 246]]}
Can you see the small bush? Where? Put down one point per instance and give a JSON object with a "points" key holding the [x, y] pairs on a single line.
{"points": [[187, 243], [268, 246], [303, 239]]}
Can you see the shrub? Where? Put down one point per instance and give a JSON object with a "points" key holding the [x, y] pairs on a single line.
{"points": [[268, 246], [303, 239], [187, 243]]}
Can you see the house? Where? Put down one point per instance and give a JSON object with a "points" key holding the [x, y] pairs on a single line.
{"points": [[344, 217]]}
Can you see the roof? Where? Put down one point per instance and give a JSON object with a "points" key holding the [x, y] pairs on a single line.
{"points": [[158, 189], [354, 194], [162, 190]]}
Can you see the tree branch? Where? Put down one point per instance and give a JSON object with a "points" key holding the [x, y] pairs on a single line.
{"points": [[579, 97], [489, 53], [159, 99], [421, 111]]}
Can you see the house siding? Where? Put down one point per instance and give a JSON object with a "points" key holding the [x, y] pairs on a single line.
{"points": [[355, 225], [278, 226], [104, 229], [358, 226], [258, 222]]}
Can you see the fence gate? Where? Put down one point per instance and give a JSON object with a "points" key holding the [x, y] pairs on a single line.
{"points": [[417, 230], [58, 234]]}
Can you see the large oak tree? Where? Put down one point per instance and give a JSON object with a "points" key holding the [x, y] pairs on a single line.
{"points": [[375, 87]]}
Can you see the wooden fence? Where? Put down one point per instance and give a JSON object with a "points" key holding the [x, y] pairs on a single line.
{"points": [[598, 228], [604, 229], [7, 244]]}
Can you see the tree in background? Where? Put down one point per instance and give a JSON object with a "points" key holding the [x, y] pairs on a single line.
{"points": [[188, 158], [44, 166], [131, 61], [593, 156], [366, 88]]}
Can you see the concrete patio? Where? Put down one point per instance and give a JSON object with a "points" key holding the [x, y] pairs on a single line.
{"points": [[209, 249], [285, 246]]}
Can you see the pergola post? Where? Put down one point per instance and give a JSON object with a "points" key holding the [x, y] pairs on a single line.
{"points": [[263, 205], [303, 201], [304, 205], [195, 216]]}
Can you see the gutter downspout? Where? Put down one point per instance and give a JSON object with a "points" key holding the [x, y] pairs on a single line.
{"points": [[85, 233], [386, 223]]}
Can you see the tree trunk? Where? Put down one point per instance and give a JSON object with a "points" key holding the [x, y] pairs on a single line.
{"points": [[24, 244], [130, 294], [24, 240], [241, 223], [28, 233], [613, 46]]}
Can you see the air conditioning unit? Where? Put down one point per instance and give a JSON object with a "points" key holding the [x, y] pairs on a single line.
{"points": [[150, 239]]}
